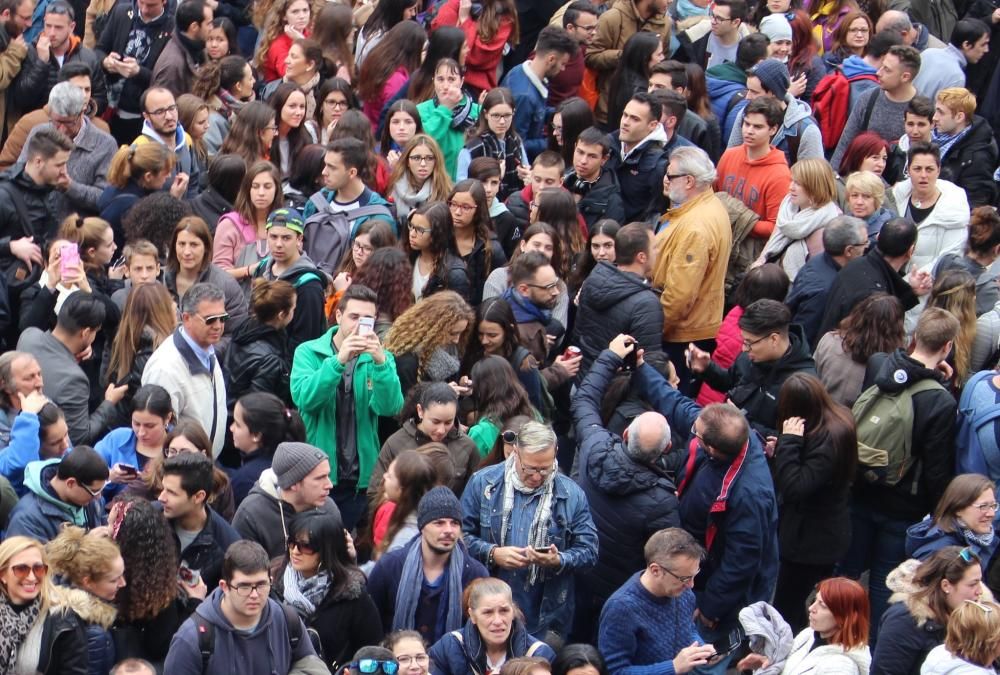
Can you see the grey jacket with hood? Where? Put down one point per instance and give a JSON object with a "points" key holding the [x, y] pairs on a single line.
{"points": [[796, 112]]}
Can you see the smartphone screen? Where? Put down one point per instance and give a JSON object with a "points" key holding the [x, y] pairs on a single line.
{"points": [[366, 325], [69, 258]]}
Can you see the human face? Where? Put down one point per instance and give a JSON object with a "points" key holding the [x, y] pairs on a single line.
{"points": [[53, 170], [969, 587], [410, 12], [491, 186], [754, 88], [57, 28], [778, 6], [557, 128], [27, 375], [83, 82], [543, 290], [334, 106], [176, 502], [390, 483], [722, 22], [924, 173], [217, 44], [491, 337], [588, 160], [821, 619], [150, 9], [585, 29], [975, 53], [493, 619], [56, 440], [636, 122], [799, 195], [244, 88], [68, 124], [297, 15], [660, 81], [499, 119], [544, 177], [250, 606], [463, 209], [402, 127], [361, 250], [353, 313], [106, 587], [262, 191], [149, 429], [917, 128], [283, 242], [533, 469], [891, 75], [24, 591], [780, 49], [206, 24], [104, 251], [419, 232], [446, 81], [294, 110], [875, 163], [243, 438], [303, 558], [421, 162], [440, 535], [161, 112], [665, 575], [761, 348], [675, 185], [313, 490], [296, 66], [205, 326], [436, 420], [979, 515], [756, 132], [411, 656], [143, 269], [199, 125], [18, 20], [540, 242], [190, 251], [180, 445], [858, 35], [557, 63], [602, 247], [945, 121], [862, 205], [336, 175]]}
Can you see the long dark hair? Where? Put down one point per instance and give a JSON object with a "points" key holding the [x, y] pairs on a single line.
{"points": [[632, 72], [404, 105], [442, 242], [147, 546], [416, 475], [402, 47], [298, 137], [266, 414], [557, 207], [332, 28], [481, 221], [445, 42], [577, 115], [327, 87], [387, 13], [326, 532], [606, 227], [498, 393], [244, 132], [874, 325]]}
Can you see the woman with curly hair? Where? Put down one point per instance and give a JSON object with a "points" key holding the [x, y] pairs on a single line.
{"points": [[372, 235], [418, 176], [388, 272], [94, 570], [429, 339], [150, 606], [874, 325], [251, 133], [955, 291], [498, 396], [429, 245], [286, 21], [475, 242]]}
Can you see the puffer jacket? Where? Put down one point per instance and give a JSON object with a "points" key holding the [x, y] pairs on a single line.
{"points": [[258, 359], [970, 163], [825, 659], [944, 230], [463, 652], [96, 616], [61, 643], [942, 662], [603, 200], [477, 267], [33, 84], [924, 538], [629, 501], [613, 302], [908, 633]]}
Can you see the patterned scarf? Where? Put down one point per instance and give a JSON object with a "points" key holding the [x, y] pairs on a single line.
{"points": [[946, 141], [14, 627], [982, 540], [305, 594], [538, 534]]}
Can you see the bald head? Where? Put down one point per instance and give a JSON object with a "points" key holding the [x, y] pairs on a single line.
{"points": [[647, 437], [899, 23]]}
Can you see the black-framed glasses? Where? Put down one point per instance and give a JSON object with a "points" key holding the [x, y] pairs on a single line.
{"points": [[246, 590], [419, 230], [672, 176], [680, 579], [544, 473], [93, 493], [424, 159], [337, 105], [361, 248], [501, 117], [590, 29], [301, 546], [369, 666], [160, 112], [214, 319], [509, 437], [718, 19], [748, 344], [546, 287]]}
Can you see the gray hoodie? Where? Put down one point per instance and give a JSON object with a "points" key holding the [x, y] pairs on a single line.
{"points": [[811, 144]]}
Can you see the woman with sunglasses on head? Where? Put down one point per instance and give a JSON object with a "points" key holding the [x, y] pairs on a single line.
{"points": [[475, 242], [925, 596], [972, 643], [39, 631], [429, 245], [129, 450], [320, 580], [261, 421], [410, 651], [506, 443], [418, 176]]}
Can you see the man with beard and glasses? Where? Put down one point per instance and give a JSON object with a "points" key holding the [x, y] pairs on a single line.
{"points": [[419, 587], [162, 125], [15, 18]]}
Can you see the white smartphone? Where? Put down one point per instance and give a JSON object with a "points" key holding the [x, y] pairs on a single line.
{"points": [[366, 325]]}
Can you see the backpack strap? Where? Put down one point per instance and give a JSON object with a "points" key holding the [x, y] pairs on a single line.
{"points": [[870, 107], [294, 626], [306, 278], [319, 201], [535, 646], [206, 639], [368, 212], [793, 146], [457, 634]]}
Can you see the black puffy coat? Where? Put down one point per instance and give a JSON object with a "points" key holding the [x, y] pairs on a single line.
{"points": [[629, 501], [258, 359], [856, 281], [454, 278], [908, 632], [603, 200], [30, 89], [96, 616], [754, 387], [970, 162], [210, 205], [613, 302]]}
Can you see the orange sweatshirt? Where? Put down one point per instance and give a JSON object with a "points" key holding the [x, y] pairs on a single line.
{"points": [[761, 184]]}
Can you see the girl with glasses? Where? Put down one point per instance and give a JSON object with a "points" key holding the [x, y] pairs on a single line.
{"points": [[40, 632], [850, 39], [429, 244], [321, 581], [370, 236], [418, 176], [496, 137], [334, 98], [475, 241], [410, 651]]}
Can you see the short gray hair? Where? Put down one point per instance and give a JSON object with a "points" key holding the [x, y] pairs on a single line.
{"points": [[535, 437], [694, 162], [67, 100], [7, 360], [896, 21], [646, 455], [842, 232], [199, 293]]}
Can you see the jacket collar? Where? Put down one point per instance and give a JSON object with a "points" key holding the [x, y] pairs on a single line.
{"points": [[191, 360]]}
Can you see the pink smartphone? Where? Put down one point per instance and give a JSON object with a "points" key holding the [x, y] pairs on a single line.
{"points": [[69, 258]]}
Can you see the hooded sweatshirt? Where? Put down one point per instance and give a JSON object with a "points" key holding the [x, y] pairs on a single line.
{"points": [[798, 121], [310, 284], [854, 67], [40, 513], [760, 184], [724, 82]]}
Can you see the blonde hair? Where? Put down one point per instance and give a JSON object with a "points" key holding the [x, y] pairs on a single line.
{"points": [[439, 179], [816, 178], [141, 247], [958, 100], [974, 632], [14, 546], [955, 291], [427, 325], [134, 161], [148, 315], [867, 183], [77, 556], [86, 233]]}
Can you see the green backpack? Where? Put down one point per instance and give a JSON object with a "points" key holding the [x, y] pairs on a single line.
{"points": [[885, 432]]}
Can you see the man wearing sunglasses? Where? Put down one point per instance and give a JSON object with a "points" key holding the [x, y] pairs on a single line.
{"points": [[259, 639], [186, 366], [65, 490]]}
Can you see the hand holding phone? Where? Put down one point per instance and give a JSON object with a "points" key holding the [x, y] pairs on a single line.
{"points": [[366, 325], [69, 260]]}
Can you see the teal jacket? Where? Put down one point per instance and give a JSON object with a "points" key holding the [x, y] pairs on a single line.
{"points": [[437, 123], [316, 374]]}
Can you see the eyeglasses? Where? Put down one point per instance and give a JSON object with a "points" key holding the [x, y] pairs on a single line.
{"points": [[169, 452], [246, 590], [501, 117], [93, 493], [407, 659], [509, 437], [671, 176], [361, 248], [461, 208], [986, 610], [214, 319], [748, 344], [987, 506], [336, 105], [301, 546], [718, 19], [423, 159], [968, 555], [419, 230], [592, 28], [160, 112], [546, 287], [21, 571], [369, 666], [544, 473], [273, 127], [65, 121], [683, 580]]}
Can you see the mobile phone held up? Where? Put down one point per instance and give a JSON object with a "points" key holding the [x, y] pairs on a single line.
{"points": [[69, 259], [366, 325], [631, 360]]}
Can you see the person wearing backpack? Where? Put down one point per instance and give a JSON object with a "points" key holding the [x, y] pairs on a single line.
{"points": [[287, 262], [345, 192], [258, 636], [906, 451]]}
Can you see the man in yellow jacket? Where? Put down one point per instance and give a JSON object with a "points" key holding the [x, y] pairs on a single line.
{"points": [[15, 18], [694, 240]]}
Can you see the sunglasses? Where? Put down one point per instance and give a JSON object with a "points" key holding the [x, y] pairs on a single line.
{"points": [[369, 666], [215, 318], [509, 437], [38, 569], [301, 546]]}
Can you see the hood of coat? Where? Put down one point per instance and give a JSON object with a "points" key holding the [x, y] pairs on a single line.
{"points": [[951, 211], [798, 357], [900, 371], [615, 473], [795, 111], [608, 286], [940, 661], [89, 607]]}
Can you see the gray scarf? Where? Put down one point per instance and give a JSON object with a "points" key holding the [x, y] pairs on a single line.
{"points": [[538, 535], [305, 594], [14, 627], [441, 365], [411, 582]]}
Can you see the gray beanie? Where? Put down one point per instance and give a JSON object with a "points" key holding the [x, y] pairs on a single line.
{"points": [[775, 27], [294, 461], [439, 502]]}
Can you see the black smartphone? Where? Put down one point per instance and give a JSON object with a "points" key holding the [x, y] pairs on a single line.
{"points": [[726, 645], [631, 360], [128, 469]]}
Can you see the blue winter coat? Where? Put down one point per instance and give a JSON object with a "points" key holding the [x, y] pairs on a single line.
{"points": [[467, 656], [530, 111], [22, 449], [807, 297], [40, 515], [923, 538]]}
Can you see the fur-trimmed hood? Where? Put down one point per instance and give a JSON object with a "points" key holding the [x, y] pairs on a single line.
{"points": [[87, 606], [900, 582]]}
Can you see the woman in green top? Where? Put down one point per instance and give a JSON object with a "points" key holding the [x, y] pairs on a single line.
{"points": [[499, 396], [450, 114]]}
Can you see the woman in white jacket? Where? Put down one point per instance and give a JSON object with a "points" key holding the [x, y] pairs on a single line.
{"points": [[838, 620], [972, 643], [809, 205]]}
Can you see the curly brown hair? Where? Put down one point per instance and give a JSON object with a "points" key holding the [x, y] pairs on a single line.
{"points": [[427, 326], [388, 272], [147, 546], [874, 325]]}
